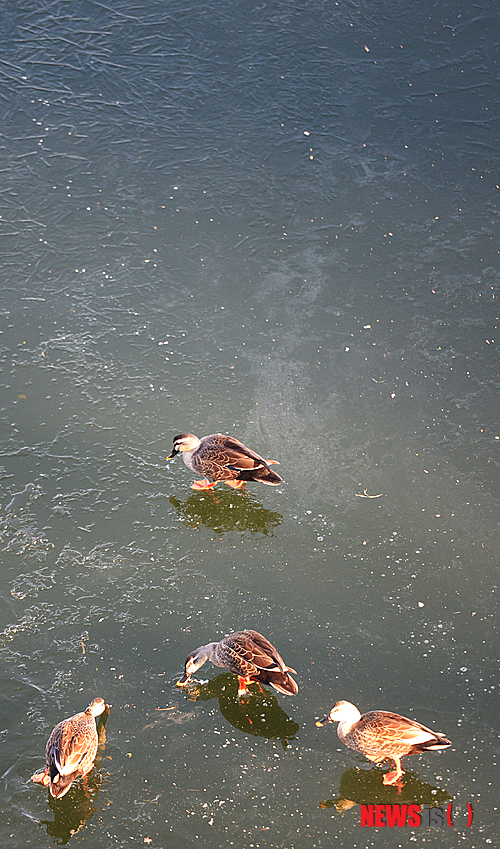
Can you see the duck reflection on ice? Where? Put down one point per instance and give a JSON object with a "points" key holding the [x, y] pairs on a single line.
{"points": [[365, 787], [72, 811], [260, 715], [227, 511]]}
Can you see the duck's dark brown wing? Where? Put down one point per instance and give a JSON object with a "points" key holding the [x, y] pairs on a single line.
{"points": [[256, 650], [380, 733], [72, 744], [224, 458], [249, 654]]}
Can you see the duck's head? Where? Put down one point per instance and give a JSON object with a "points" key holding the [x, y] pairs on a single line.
{"points": [[97, 707], [340, 711], [184, 442], [193, 662]]}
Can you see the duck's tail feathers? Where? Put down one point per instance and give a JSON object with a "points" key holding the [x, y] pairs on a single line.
{"points": [[438, 742], [60, 784], [283, 683], [262, 474]]}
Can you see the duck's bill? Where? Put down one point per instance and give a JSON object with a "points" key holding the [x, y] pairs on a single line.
{"points": [[184, 680], [324, 721], [172, 455]]}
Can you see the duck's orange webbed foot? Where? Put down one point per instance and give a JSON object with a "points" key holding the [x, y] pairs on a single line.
{"points": [[41, 778], [204, 484], [84, 778], [393, 778], [235, 484], [243, 685]]}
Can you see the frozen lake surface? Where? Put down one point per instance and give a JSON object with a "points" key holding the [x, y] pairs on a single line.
{"points": [[278, 221]]}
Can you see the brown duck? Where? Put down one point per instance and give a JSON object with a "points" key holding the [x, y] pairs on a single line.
{"points": [[223, 458], [250, 656], [71, 750], [381, 735]]}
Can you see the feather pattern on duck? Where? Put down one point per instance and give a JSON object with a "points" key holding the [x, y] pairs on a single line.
{"points": [[381, 735], [223, 458], [71, 749], [250, 656]]}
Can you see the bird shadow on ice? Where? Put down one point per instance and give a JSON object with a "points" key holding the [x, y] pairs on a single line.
{"points": [[365, 787], [226, 510], [258, 713]]}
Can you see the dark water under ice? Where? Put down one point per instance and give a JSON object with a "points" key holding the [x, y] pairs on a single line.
{"points": [[280, 221]]}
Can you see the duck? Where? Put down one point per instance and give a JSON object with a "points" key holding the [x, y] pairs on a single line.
{"points": [[223, 458], [381, 735], [248, 655], [71, 749]]}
